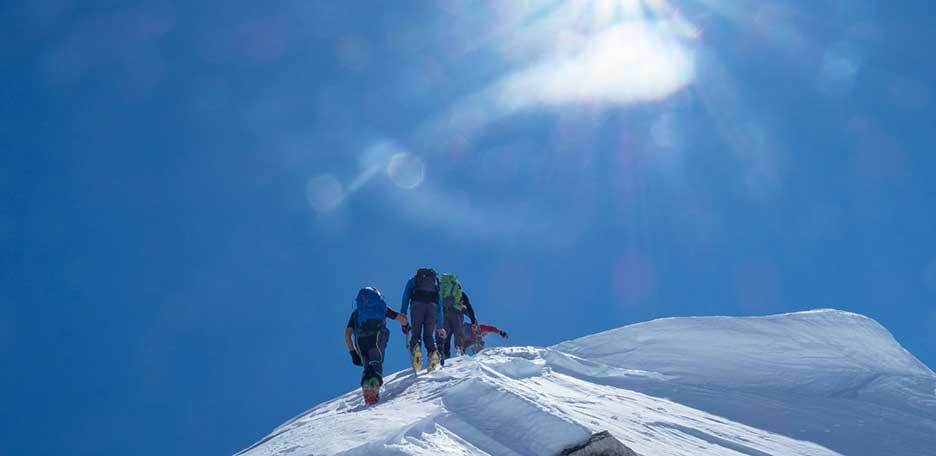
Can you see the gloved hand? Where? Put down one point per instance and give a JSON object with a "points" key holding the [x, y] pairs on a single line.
{"points": [[406, 329], [356, 358], [503, 334]]}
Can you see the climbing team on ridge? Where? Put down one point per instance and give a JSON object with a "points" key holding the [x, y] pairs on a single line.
{"points": [[437, 308]]}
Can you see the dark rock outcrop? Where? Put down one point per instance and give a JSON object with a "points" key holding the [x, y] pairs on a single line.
{"points": [[599, 444]]}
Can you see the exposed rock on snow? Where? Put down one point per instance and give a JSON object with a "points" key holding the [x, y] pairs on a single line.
{"points": [[600, 444]]}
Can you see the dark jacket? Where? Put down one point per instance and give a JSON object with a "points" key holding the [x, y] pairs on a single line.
{"points": [[404, 306], [468, 309]]}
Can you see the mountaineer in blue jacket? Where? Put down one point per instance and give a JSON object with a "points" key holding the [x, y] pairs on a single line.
{"points": [[422, 291], [366, 336]]}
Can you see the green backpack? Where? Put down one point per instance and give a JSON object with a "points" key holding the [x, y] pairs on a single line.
{"points": [[451, 292]]}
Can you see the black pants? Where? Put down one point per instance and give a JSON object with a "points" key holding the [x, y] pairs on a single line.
{"points": [[371, 348], [423, 323], [454, 328]]}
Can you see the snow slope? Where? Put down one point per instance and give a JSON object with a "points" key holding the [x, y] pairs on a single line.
{"points": [[831, 377], [680, 386]]}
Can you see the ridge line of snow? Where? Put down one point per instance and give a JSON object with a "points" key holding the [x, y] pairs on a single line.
{"points": [[680, 386]]}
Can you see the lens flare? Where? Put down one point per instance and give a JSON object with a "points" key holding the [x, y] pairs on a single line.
{"points": [[324, 193], [406, 170]]}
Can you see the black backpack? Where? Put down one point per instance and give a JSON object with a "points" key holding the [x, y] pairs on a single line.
{"points": [[425, 286]]}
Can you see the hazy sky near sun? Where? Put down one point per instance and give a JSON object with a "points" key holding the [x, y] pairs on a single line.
{"points": [[194, 193]]}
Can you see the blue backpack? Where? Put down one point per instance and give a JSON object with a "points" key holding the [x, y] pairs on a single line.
{"points": [[371, 311]]}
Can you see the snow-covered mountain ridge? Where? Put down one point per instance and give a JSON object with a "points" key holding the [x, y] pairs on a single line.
{"points": [[823, 352], [811, 383]]}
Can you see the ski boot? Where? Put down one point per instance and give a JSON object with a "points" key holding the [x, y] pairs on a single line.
{"points": [[416, 356], [371, 389], [433, 361]]}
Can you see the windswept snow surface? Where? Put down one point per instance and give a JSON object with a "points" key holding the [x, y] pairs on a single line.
{"points": [[831, 377], [680, 386]]}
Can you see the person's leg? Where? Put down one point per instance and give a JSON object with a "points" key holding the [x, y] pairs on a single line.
{"points": [[446, 348], [429, 326], [441, 345], [458, 328], [376, 355], [416, 323], [367, 348]]}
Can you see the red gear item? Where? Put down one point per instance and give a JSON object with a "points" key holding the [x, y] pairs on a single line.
{"points": [[488, 329]]}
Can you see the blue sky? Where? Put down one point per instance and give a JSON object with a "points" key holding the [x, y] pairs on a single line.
{"points": [[193, 194]]}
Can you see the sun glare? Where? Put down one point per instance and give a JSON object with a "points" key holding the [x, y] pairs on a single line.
{"points": [[554, 55], [613, 52], [601, 54]]}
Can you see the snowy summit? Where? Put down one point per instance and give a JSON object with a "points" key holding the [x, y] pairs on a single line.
{"points": [[804, 384]]}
